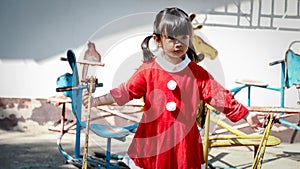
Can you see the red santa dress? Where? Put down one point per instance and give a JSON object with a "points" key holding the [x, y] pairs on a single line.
{"points": [[167, 136]]}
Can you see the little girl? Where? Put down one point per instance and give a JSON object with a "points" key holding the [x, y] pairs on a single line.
{"points": [[172, 84]]}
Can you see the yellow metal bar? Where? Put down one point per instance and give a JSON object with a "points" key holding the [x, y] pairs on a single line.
{"points": [[90, 88], [227, 127], [262, 147], [226, 137], [206, 138]]}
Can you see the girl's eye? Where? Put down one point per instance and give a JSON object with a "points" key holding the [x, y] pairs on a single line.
{"points": [[179, 38], [185, 37]]}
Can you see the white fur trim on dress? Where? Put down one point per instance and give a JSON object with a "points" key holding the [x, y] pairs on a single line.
{"points": [[129, 162]]}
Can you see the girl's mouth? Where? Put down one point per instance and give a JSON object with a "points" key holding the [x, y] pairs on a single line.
{"points": [[177, 51]]}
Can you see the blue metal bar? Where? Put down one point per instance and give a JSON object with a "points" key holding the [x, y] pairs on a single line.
{"points": [[249, 95], [108, 153], [282, 84], [273, 88], [237, 89], [76, 108], [284, 122], [77, 141]]}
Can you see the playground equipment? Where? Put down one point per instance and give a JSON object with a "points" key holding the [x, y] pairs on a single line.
{"points": [[290, 76], [69, 84], [239, 138]]}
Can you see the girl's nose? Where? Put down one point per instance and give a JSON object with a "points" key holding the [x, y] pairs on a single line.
{"points": [[177, 41]]}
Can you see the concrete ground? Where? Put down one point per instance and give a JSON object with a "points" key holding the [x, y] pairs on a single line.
{"points": [[36, 148], [283, 156]]}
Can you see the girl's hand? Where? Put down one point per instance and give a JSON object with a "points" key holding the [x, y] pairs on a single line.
{"points": [[106, 99], [253, 121], [85, 99]]}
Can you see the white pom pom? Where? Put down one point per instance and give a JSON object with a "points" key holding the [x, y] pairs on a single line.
{"points": [[172, 85], [171, 106]]}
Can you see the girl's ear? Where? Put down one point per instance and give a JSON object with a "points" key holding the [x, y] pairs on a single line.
{"points": [[157, 40], [155, 37]]}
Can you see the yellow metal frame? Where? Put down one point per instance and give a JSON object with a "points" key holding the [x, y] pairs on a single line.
{"points": [[238, 138]]}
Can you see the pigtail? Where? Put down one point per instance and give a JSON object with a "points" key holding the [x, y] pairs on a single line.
{"points": [[147, 54], [193, 56]]}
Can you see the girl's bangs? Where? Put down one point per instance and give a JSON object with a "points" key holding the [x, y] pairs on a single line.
{"points": [[177, 27]]}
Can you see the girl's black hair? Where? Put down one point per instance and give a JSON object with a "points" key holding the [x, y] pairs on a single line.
{"points": [[171, 22], [147, 54]]}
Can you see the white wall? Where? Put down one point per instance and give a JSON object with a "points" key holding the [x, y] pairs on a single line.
{"points": [[243, 53], [35, 34]]}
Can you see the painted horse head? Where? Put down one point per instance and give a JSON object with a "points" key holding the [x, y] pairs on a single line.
{"points": [[202, 48]]}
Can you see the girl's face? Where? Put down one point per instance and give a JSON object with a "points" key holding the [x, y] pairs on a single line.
{"points": [[174, 48]]}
